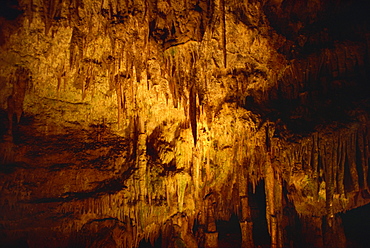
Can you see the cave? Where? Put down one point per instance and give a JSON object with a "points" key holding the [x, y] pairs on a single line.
{"points": [[192, 123]]}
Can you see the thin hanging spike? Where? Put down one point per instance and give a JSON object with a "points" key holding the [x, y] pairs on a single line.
{"points": [[315, 159], [334, 165], [30, 11], [46, 5], [328, 167], [224, 31], [193, 113], [83, 82], [352, 161], [361, 151], [119, 100], [367, 157], [342, 159], [102, 5], [59, 83]]}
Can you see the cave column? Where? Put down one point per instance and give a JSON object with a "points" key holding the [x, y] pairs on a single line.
{"points": [[273, 188], [246, 224]]}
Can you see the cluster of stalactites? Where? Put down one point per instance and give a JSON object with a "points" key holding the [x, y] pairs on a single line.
{"points": [[331, 165]]}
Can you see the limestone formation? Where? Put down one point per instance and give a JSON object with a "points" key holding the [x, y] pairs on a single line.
{"points": [[149, 123]]}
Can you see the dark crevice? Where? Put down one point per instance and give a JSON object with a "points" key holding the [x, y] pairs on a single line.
{"points": [[109, 186], [359, 165], [348, 182], [356, 223], [292, 226], [229, 233], [257, 203], [147, 244], [10, 9], [317, 103]]}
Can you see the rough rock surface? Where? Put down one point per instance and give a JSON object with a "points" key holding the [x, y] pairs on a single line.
{"points": [[132, 122]]}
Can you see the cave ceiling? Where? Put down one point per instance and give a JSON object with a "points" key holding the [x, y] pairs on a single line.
{"points": [[124, 121]]}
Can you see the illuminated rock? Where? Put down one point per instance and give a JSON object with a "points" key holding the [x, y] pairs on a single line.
{"points": [[133, 123]]}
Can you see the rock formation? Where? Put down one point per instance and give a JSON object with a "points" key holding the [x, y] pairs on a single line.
{"points": [[149, 123]]}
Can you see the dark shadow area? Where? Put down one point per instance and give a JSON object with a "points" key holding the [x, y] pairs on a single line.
{"points": [[3, 123], [325, 94], [257, 203], [292, 226], [109, 186], [146, 243], [10, 9], [356, 224], [229, 233], [19, 243], [302, 117], [99, 233], [341, 20]]}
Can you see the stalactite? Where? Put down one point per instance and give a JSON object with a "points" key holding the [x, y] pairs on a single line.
{"points": [[30, 11], [248, 149], [49, 8], [316, 169], [360, 161], [351, 155], [76, 47], [120, 100], [20, 81], [329, 159], [334, 164], [341, 164], [223, 16], [367, 156], [86, 81], [60, 76], [193, 113], [272, 209], [307, 162]]}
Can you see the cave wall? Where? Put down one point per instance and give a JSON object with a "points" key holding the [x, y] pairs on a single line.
{"points": [[131, 120]]}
